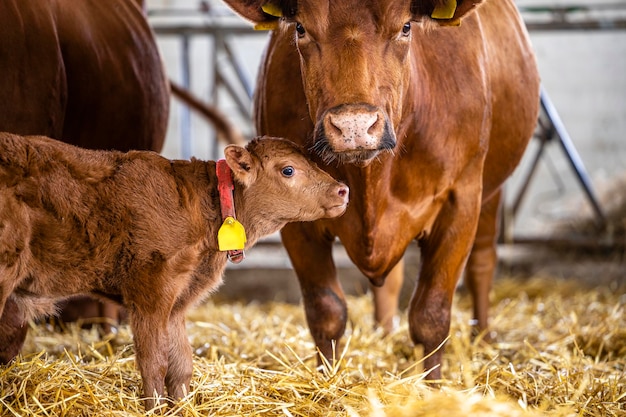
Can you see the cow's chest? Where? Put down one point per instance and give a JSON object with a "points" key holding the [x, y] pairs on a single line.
{"points": [[381, 223]]}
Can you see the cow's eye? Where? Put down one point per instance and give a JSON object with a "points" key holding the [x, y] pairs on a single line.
{"points": [[406, 29], [288, 171], [300, 29]]}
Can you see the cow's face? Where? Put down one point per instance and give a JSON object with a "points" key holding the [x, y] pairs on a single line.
{"points": [[355, 64], [353, 58]]}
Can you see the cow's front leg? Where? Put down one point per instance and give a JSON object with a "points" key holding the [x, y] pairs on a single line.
{"points": [[386, 298], [180, 363], [444, 253], [324, 300]]}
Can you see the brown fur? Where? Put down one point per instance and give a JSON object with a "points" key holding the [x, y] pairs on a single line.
{"points": [[443, 113], [88, 73], [85, 72], [138, 229]]}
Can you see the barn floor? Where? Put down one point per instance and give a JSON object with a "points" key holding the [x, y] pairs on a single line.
{"points": [[559, 349]]}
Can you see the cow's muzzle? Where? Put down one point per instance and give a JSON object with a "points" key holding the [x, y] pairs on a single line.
{"points": [[353, 133]]}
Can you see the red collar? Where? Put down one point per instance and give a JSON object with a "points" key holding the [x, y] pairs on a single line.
{"points": [[225, 189]]}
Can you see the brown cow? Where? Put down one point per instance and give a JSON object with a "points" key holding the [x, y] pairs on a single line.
{"points": [[85, 72], [141, 230], [424, 118]]}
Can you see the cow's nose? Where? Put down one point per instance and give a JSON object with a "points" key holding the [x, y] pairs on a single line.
{"points": [[354, 127]]}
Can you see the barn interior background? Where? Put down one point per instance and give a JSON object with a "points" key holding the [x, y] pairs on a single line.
{"points": [[568, 192], [558, 304]]}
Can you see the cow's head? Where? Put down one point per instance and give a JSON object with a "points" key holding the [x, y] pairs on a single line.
{"points": [[354, 64]]}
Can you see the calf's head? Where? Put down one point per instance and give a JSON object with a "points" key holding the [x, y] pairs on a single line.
{"points": [[354, 64], [280, 183]]}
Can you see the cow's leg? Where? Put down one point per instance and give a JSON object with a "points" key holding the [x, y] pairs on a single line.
{"points": [[151, 350], [324, 300], [482, 261], [13, 329], [386, 298], [444, 252], [180, 362], [110, 312]]}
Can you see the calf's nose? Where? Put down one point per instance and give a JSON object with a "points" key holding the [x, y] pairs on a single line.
{"points": [[335, 202], [343, 191]]}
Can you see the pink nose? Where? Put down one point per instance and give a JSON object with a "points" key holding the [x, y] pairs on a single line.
{"points": [[343, 191], [354, 127]]}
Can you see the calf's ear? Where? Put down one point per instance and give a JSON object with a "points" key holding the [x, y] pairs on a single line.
{"points": [[444, 12], [241, 163]]}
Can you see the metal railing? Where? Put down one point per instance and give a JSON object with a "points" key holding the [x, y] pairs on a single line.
{"points": [[588, 16], [226, 73]]}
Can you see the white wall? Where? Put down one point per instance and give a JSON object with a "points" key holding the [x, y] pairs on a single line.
{"points": [[584, 74]]}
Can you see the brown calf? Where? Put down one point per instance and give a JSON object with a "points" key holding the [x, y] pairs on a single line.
{"points": [[423, 107], [138, 229]]}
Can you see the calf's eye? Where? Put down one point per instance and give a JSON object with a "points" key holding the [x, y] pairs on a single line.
{"points": [[406, 29], [288, 171], [300, 29]]}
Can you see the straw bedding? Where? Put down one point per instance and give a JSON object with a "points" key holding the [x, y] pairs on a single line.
{"points": [[558, 350]]}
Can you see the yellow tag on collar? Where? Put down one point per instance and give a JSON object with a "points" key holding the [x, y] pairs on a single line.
{"points": [[272, 9], [231, 236], [446, 11]]}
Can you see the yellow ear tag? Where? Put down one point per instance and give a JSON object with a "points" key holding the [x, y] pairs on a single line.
{"points": [[266, 25], [231, 236], [446, 11], [272, 9]]}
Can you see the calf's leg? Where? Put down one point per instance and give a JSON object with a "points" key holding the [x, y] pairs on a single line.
{"points": [[324, 300], [180, 360], [13, 323], [150, 338], [13, 329]]}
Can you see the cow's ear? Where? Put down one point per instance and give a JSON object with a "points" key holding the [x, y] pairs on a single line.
{"points": [[444, 12], [263, 13], [242, 163]]}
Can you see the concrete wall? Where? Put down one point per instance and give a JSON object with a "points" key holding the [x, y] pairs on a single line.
{"points": [[584, 74]]}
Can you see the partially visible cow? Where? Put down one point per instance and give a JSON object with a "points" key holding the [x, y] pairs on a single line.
{"points": [[141, 230], [85, 72], [88, 311], [424, 108]]}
